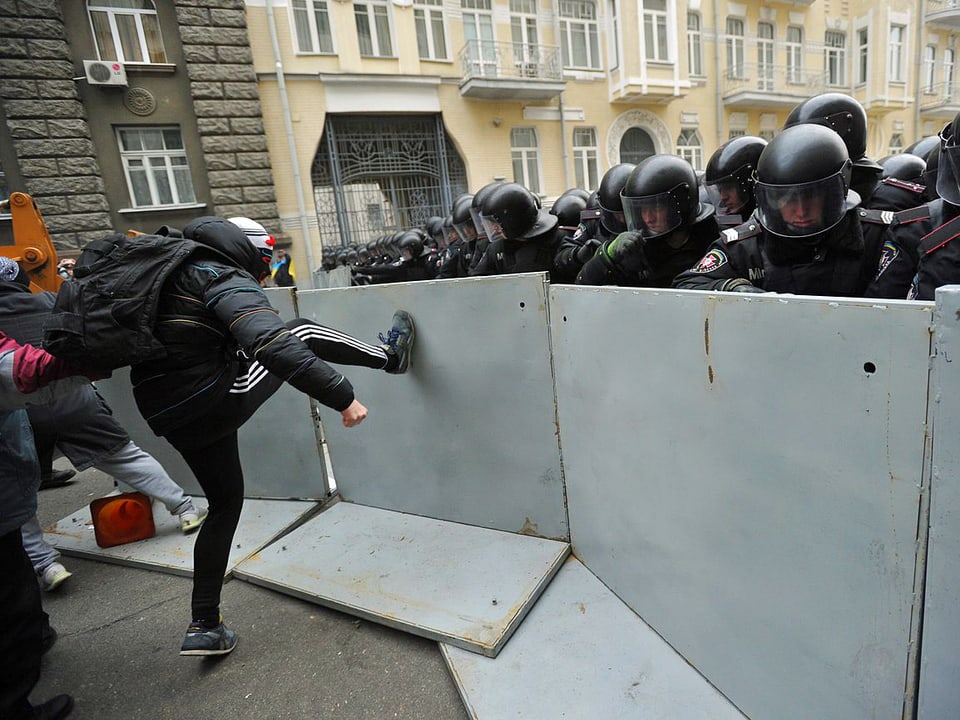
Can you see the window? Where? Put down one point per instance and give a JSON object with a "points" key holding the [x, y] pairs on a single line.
{"points": [[794, 54], [525, 36], [585, 154], [526, 158], [694, 44], [735, 64], [765, 76], [835, 57], [311, 22], [895, 60], [655, 30], [481, 48], [636, 145], [155, 164], [614, 46], [373, 28], [948, 65], [896, 144], [690, 147], [767, 134], [863, 55], [127, 31], [930, 69], [735, 133], [431, 35], [579, 39]]}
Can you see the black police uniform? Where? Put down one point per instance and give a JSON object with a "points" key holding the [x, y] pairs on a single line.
{"points": [[589, 236], [895, 194], [932, 230]]}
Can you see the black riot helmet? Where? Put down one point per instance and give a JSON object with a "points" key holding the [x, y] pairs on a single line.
{"points": [[568, 207], [434, 227], [512, 212], [931, 172], [803, 176], [411, 244], [904, 166], [660, 195], [729, 176], [922, 147], [476, 207], [462, 218], [948, 173], [608, 197]]}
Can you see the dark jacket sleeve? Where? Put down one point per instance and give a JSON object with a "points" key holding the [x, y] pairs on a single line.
{"points": [[718, 269], [241, 305]]}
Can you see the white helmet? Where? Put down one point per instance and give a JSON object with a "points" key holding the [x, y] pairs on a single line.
{"points": [[255, 232]]}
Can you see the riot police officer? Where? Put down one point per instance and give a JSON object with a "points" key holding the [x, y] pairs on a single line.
{"points": [[459, 253], [806, 235], [667, 227], [602, 220], [901, 185], [729, 178], [522, 234]]}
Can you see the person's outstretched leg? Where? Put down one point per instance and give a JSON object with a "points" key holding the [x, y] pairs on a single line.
{"points": [[334, 346], [218, 470], [137, 468]]}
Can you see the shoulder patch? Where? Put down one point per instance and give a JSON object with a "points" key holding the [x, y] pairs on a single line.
{"points": [[711, 261], [876, 217], [889, 253]]}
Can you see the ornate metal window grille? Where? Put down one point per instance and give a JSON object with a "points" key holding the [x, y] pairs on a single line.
{"points": [[375, 175]]}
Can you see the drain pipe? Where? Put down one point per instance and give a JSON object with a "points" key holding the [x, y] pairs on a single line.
{"points": [[291, 144], [720, 71], [563, 147]]}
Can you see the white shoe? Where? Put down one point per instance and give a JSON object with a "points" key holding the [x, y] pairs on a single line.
{"points": [[191, 519], [54, 576]]}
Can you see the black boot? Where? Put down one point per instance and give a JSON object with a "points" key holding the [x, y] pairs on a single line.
{"points": [[56, 478]]}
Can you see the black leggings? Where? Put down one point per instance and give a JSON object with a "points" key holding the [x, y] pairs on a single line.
{"points": [[211, 449]]}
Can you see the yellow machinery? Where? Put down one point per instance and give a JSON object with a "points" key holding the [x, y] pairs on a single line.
{"points": [[32, 246]]}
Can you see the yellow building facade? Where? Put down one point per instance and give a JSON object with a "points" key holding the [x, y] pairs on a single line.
{"points": [[553, 93]]}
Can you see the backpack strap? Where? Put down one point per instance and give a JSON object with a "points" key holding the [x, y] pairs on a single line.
{"points": [[936, 239]]}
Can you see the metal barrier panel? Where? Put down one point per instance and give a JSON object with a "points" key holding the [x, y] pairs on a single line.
{"points": [[940, 662], [469, 433], [745, 473], [279, 445]]}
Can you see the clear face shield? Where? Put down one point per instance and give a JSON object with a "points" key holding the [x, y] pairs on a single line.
{"points": [[728, 194], [477, 223], [612, 220], [802, 210], [466, 230], [654, 215], [948, 173], [492, 228]]}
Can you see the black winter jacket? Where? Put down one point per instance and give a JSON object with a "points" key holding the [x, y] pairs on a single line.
{"points": [[210, 308]]}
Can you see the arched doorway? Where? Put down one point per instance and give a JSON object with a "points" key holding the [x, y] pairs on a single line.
{"points": [[636, 145]]}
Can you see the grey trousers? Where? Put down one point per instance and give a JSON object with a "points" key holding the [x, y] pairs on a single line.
{"points": [[129, 465]]}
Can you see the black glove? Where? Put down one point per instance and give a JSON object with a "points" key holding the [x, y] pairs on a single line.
{"points": [[625, 251], [743, 286], [586, 251]]}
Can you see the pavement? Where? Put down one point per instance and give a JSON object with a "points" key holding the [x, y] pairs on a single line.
{"points": [[119, 638]]}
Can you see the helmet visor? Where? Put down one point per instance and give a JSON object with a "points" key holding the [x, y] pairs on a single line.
{"points": [[466, 230], [613, 221], [477, 222], [653, 215], [948, 173], [729, 194], [492, 228], [801, 210]]}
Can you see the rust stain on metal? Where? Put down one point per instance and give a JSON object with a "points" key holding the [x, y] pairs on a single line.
{"points": [[706, 336], [583, 608], [530, 528], [710, 373]]}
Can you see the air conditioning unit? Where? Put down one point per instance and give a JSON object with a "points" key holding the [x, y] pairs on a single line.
{"points": [[105, 72]]}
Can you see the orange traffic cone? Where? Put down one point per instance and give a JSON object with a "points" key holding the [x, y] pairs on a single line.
{"points": [[120, 519]]}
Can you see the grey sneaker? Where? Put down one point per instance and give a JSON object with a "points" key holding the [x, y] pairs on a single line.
{"points": [[213, 641], [191, 519], [54, 576], [399, 341]]}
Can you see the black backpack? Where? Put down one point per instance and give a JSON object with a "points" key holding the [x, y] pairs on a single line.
{"points": [[104, 318]]}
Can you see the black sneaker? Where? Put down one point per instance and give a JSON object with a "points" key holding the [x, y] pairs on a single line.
{"points": [[55, 708], [213, 641], [399, 341], [57, 478]]}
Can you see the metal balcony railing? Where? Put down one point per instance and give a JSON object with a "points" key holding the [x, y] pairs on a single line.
{"points": [[510, 61], [940, 94], [772, 79], [939, 5]]}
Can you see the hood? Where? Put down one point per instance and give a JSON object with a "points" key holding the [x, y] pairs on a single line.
{"points": [[226, 238]]}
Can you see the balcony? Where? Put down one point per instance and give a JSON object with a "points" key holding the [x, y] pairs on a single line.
{"points": [[770, 87], [510, 71], [943, 12], [940, 101]]}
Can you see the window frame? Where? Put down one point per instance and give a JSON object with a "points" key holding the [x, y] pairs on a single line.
{"points": [[569, 25], [692, 152], [366, 9], [863, 55], [111, 14], [835, 58], [310, 11], [766, 57], [896, 44], [528, 157], [526, 50], [735, 45], [151, 174], [586, 158], [426, 14], [655, 26], [794, 48], [695, 45], [930, 69]]}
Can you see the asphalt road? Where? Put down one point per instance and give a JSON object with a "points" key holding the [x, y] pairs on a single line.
{"points": [[119, 638]]}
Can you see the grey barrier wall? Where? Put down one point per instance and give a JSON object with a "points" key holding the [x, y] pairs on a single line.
{"points": [[745, 473], [469, 433], [278, 446], [940, 661]]}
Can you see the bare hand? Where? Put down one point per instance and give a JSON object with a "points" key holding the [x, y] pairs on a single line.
{"points": [[354, 414]]}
